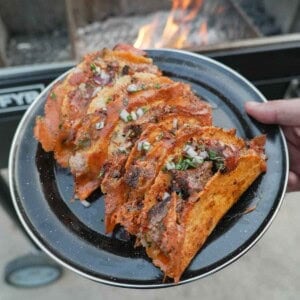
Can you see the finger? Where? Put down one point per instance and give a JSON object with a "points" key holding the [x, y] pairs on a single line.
{"points": [[293, 182], [282, 112], [292, 134]]}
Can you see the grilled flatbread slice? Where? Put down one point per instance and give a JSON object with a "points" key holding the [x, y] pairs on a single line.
{"points": [[204, 175], [168, 175], [100, 75], [87, 163], [130, 174]]}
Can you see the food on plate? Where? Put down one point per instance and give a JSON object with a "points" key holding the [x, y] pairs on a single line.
{"points": [[85, 116], [203, 175], [138, 168], [149, 143]]}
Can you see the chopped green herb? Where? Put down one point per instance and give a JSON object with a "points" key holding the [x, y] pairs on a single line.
{"points": [[160, 136], [108, 99], [220, 165], [180, 195], [93, 67], [83, 143], [212, 154], [157, 86], [145, 109], [178, 164], [129, 118], [189, 162], [101, 173], [53, 96], [184, 164]]}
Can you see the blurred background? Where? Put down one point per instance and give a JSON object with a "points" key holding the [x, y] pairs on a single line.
{"points": [[43, 31], [40, 39]]}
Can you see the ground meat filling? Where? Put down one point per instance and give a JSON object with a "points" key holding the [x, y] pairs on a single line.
{"points": [[189, 172], [132, 132], [191, 181], [155, 217]]}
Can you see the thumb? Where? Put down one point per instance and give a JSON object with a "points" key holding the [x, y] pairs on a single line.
{"points": [[282, 112]]}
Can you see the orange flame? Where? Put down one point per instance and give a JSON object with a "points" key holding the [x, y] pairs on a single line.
{"points": [[177, 27], [203, 33], [147, 35]]}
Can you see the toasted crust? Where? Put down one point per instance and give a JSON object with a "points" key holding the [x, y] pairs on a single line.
{"points": [[123, 196], [200, 214], [171, 208]]}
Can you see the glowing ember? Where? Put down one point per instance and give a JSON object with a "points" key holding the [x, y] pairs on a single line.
{"points": [[177, 28], [189, 24], [203, 32], [146, 34]]}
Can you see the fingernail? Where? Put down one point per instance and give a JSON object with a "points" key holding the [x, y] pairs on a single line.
{"points": [[252, 104]]}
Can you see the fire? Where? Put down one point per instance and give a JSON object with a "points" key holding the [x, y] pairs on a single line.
{"points": [[203, 33], [174, 31], [146, 35]]}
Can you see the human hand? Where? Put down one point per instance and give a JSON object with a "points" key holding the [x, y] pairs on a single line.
{"points": [[287, 114]]}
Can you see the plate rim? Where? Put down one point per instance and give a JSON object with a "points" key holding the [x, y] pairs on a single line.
{"points": [[51, 254]]}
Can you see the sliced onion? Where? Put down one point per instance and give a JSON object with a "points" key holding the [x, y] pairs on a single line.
{"points": [[175, 123], [140, 145], [190, 151], [170, 165], [85, 203], [132, 88], [122, 149], [133, 115], [187, 147], [146, 146], [102, 78], [96, 90], [203, 154], [124, 114], [143, 145], [82, 87], [140, 112], [105, 76], [166, 196], [99, 125]]}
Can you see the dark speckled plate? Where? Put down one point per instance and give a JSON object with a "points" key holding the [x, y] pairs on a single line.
{"points": [[74, 235]]}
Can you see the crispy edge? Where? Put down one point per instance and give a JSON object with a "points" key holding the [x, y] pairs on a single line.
{"points": [[199, 219]]}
